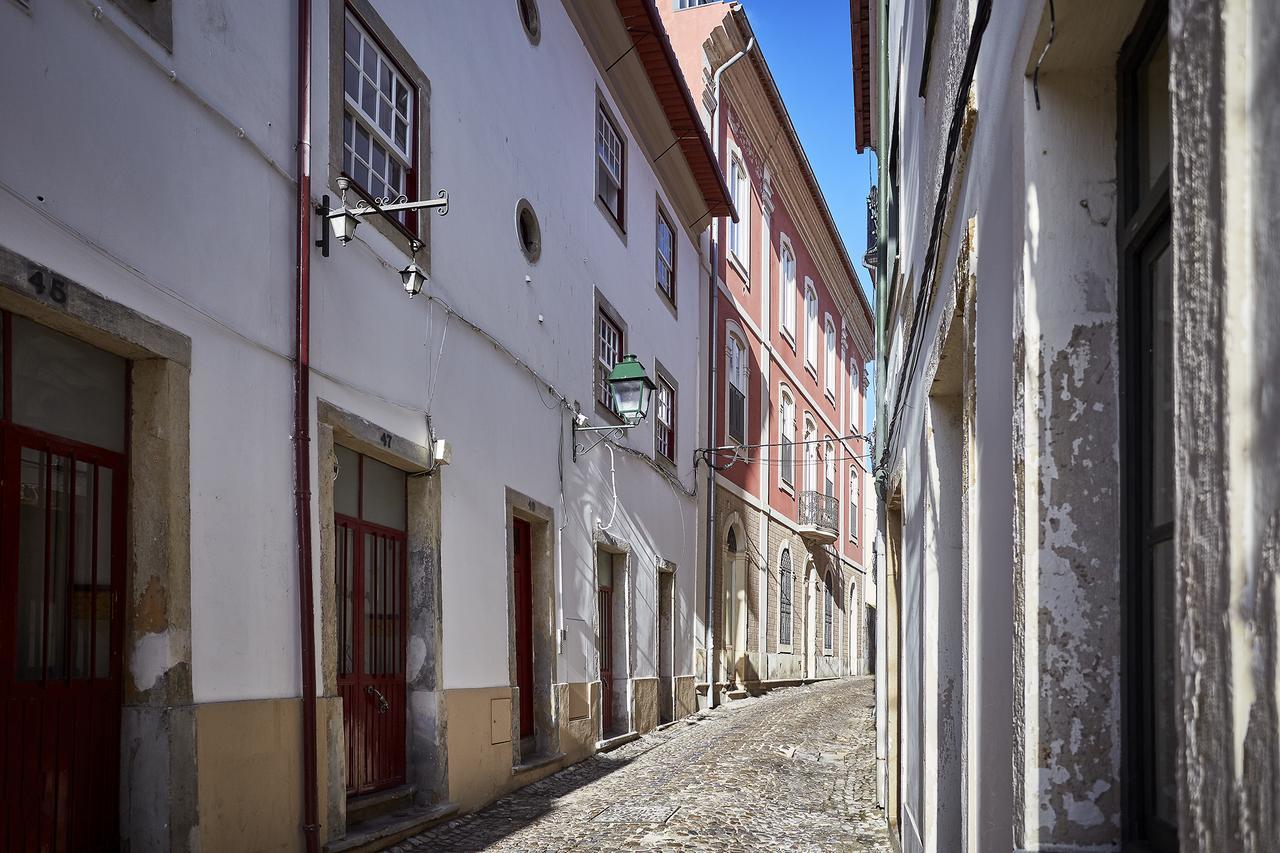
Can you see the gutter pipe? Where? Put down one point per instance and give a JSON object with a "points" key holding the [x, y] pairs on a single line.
{"points": [[712, 372], [302, 436]]}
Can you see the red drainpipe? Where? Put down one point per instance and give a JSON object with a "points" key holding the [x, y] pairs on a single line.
{"points": [[302, 436]]}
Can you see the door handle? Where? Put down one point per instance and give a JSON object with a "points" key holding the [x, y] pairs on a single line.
{"points": [[383, 704]]}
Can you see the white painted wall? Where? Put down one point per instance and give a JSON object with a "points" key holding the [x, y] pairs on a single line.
{"points": [[175, 198]]}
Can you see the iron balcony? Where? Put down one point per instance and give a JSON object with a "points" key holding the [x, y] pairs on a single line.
{"points": [[819, 517]]}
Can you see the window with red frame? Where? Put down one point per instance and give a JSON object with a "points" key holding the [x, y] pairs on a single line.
{"points": [[665, 422], [379, 148], [608, 352]]}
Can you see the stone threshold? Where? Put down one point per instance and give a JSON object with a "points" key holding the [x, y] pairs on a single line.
{"points": [[535, 762], [612, 743], [379, 833]]}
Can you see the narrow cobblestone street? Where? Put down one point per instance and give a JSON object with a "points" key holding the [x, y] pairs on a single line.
{"points": [[793, 770]]}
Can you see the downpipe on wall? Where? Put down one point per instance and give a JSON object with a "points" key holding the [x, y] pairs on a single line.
{"points": [[302, 436], [712, 372]]}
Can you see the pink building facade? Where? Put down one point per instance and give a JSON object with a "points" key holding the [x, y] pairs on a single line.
{"points": [[792, 595]]}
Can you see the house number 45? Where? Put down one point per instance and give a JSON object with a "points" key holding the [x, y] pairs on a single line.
{"points": [[42, 281]]}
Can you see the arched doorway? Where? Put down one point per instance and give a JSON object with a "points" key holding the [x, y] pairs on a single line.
{"points": [[733, 628]]}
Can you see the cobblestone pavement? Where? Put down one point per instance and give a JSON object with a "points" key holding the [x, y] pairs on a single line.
{"points": [[793, 770]]}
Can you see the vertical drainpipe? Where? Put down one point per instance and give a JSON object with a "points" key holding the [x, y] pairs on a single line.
{"points": [[712, 361], [302, 436]]}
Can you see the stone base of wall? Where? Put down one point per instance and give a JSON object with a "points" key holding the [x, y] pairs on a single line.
{"points": [[686, 695], [644, 704]]}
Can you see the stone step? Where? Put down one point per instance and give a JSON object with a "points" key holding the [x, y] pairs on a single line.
{"points": [[368, 806], [387, 830]]}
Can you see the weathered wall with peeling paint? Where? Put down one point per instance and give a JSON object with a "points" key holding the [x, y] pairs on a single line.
{"points": [[1043, 521]]}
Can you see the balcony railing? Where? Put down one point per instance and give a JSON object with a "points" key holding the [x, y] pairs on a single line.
{"points": [[819, 516]]}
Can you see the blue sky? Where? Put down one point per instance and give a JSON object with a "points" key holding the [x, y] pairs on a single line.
{"points": [[806, 43]]}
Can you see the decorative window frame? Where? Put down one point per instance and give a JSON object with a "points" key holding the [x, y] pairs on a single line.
{"points": [[811, 331], [828, 610], [829, 358], [419, 178], [789, 291], [739, 233], [809, 467], [787, 547], [854, 503], [786, 396], [733, 330]]}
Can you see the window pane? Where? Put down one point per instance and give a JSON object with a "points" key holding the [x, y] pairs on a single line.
{"points": [[67, 387], [346, 482], [1161, 388], [103, 571], [384, 494], [32, 516], [82, 571], [1155, 125]]}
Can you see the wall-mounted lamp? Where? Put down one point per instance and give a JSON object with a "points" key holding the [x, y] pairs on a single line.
{"points": [[342, 223], [631, 389]]}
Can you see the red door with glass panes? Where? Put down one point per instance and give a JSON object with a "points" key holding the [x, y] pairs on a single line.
{"points": [[62, 533], [522, 577], [370, 583]]}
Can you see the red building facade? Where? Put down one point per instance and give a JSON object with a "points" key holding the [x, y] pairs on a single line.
{"points": [[794, 339]]}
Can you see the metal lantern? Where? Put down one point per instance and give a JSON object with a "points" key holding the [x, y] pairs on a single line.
{"points": [[343, 222], [631, 389], [413, 276]]}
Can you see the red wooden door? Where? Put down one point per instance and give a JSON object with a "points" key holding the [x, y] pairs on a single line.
{"points": [[523, 582], [61, 552], [371, 592], [605, 603]]}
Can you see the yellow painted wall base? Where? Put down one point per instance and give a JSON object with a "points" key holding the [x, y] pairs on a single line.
{"points": [[250, 775]]}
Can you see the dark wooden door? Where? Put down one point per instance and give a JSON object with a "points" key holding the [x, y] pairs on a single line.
{"points": [[523, 583], [62, 509], [371, 581], [605, 604]]}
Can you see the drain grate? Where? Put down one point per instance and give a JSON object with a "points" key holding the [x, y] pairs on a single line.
{"points": [[635, 814]]}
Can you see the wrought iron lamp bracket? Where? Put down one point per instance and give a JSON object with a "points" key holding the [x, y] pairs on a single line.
{"points": [[584, 449], [380, 206]]}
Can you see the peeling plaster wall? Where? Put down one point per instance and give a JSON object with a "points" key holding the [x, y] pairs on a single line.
{"points": [[1070, 659]]}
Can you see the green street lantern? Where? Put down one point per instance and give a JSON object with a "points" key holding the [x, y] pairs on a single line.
{"points": [[631, 389]]}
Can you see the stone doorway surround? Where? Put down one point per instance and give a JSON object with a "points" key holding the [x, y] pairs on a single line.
{"points": [[159, 796], [426, 759]]}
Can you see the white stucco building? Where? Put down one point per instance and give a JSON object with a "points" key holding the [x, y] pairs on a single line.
{"points": [[1075, 328], [149, 213]]}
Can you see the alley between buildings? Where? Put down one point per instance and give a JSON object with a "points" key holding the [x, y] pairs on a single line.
{"points": [[792, 770]]}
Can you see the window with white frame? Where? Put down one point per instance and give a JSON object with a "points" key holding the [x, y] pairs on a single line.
{"points": [[736, 372], [610, 164], [787, 293], [689, 4], [853, 503], [666, 252], [828, 614], [810, 455], [855, 396], [378, 127], [740, 231], [810, 325], [665, 420], [608, 353], [786, 580], [787, 439], [829, 468], [830, 367]]}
